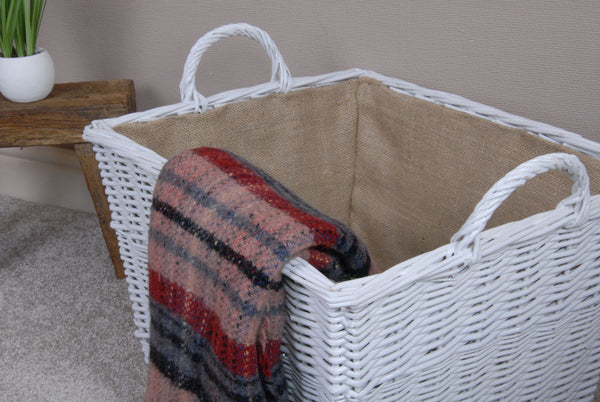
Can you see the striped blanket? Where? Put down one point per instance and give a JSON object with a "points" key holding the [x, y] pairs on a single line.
{"points": [[221, 231]]}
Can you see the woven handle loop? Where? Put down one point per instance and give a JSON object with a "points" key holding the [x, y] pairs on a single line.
{"points": [[187, 87], [466, 240]]}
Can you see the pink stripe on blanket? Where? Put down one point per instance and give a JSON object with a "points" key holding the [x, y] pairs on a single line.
{"points": [[241, 359], [245, 240], [238, 197], [216, 292], [160, 389], [325, 233]]}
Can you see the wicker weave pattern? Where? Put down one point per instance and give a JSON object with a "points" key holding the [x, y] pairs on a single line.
{"points": [[129, 191], [517, 322], [512, 325]]}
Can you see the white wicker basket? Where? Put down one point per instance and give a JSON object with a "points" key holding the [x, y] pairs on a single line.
{"points": [[507, 313]]}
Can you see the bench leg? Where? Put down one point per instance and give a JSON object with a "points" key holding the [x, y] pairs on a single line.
{"points": [[89, 166]]}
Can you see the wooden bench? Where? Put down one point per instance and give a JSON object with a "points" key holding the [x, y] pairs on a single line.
{"points": [[59, 120]]}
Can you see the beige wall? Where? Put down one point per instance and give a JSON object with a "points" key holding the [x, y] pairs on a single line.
{"points": [[539, 59]]}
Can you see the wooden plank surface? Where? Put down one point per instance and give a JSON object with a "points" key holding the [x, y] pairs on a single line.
{"points": [[59, 120], [61, 117]]}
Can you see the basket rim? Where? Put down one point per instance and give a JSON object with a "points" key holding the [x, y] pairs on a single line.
{"points": [[453, 101], [434, 264]]}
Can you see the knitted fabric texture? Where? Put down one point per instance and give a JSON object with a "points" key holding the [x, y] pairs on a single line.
{"points": [[221, 231]]}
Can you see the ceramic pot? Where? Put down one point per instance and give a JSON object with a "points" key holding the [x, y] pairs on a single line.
{"points": [[27, 79]]}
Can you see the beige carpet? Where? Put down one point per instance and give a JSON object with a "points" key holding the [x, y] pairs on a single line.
{"points": [[66, 332]]}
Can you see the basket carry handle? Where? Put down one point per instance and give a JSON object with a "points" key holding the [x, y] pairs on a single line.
{"points": [[467, 239], [187, 86]]}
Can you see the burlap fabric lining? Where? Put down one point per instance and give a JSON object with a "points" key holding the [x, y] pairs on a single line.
{"points": [[402, 172]]}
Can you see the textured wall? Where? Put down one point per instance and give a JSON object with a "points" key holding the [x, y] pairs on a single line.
{"points": [[539, 59]]}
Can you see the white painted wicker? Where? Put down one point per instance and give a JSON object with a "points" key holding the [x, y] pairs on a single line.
{"points": [[507, 313], [520, 321]]}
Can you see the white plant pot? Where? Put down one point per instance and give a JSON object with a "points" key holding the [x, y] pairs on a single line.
{"points": [[27, 79]]}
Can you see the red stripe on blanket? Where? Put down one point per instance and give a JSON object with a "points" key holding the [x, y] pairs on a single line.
{"points": [[319, 259], [324, 232], [269, 357], [239, 359]]}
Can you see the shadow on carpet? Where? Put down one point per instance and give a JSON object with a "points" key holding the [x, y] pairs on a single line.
{"points": [[66, 332]]}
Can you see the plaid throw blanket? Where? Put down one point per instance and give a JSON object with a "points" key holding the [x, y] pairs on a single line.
{"points": [[220, 232]]}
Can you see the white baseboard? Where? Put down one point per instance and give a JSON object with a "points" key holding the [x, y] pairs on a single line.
{"points": [[46, 175]]}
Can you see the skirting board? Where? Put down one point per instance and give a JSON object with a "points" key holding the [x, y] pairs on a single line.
{"points": [[46, 175]]}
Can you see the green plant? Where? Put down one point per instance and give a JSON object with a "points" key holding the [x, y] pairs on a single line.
{"points": [[20, 22]]}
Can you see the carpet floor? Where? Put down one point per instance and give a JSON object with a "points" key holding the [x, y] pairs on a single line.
{"points": [[66, 328]]}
